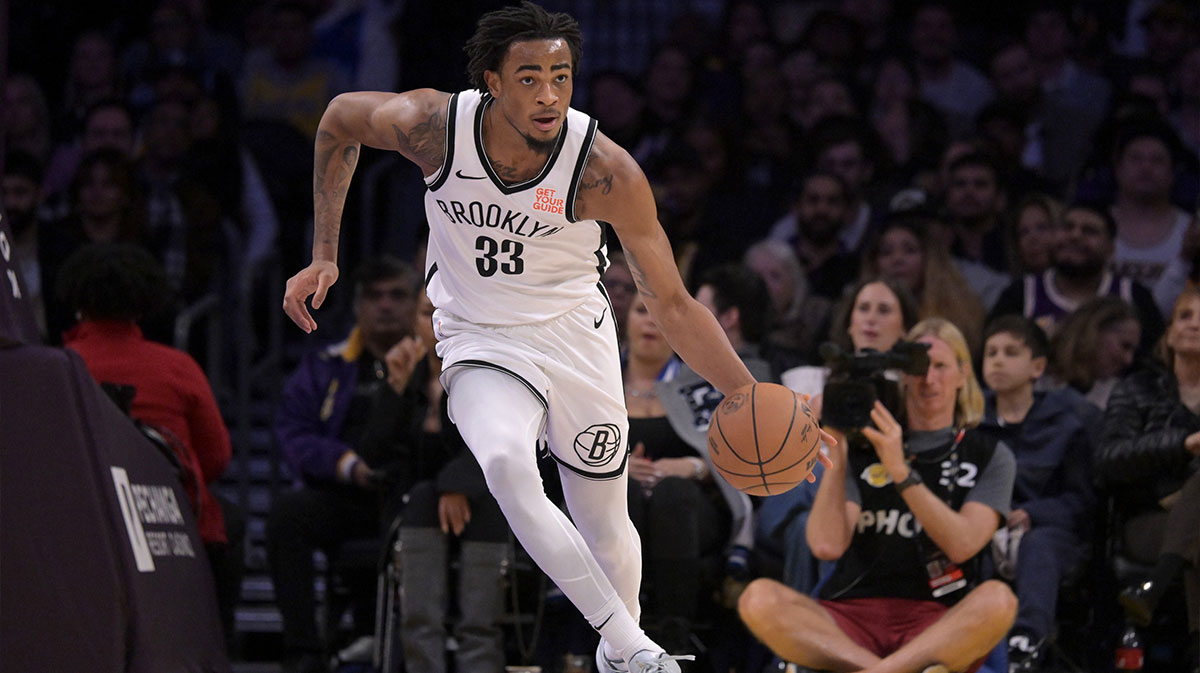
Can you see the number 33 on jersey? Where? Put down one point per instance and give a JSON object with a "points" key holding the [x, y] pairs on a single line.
{"points": [[508, 254]]}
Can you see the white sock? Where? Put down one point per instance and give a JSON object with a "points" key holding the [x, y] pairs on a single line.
{"points": [[623, 638]]}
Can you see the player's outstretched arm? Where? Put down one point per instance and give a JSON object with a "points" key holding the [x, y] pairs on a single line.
{"points": [[411, 123], [613, 189]]}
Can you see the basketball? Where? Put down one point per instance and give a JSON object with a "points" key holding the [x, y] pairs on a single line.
{"points": [[763, 440]]}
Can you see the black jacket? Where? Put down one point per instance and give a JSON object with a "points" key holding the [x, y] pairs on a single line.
{"points": [[1141, 457], [1054, 453]]}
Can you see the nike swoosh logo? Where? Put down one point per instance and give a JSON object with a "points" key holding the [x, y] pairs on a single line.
{"points": [[469, 177], [600, 320]]}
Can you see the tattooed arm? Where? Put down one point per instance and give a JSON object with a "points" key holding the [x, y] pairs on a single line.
{"points": [[411, 123], [613, 189]]}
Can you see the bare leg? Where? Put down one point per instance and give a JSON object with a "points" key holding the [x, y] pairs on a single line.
{"points": [[798, 629], [967, 631]]}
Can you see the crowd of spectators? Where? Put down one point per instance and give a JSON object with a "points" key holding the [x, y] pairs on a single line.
{"points": [[876, 162]]}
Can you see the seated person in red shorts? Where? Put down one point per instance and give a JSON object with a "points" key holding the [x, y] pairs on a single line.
{"points": [[905, 512]]}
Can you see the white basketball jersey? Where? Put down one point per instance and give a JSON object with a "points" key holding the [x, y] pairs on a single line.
{"points": [[502, 254]]}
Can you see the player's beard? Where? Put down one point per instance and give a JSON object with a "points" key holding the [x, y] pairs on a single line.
{"points": [[541, 146]]}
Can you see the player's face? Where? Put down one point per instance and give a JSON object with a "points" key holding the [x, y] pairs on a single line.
{"points": [[933, 395], [1008, 363], [533, 89], [876, 321]]}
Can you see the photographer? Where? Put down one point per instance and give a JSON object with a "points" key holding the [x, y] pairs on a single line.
{"points": [[905, 515], [873, 316]]}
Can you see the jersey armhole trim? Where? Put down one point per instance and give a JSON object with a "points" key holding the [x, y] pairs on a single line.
{"points": [[589, 138], [448, 151], [429, 276]]}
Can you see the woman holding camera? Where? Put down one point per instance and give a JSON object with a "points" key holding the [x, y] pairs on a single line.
{"points": [[874, 315], [905, 514]]}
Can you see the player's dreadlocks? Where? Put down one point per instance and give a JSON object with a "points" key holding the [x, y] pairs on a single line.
{"points": [[498, 30]]}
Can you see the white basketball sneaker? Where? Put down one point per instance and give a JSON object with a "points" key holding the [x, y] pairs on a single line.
{"points": [[646, 661], [606, 665]]}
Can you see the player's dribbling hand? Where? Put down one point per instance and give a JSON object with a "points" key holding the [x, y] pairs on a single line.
{"points": [[814, 405], [315, 280]]}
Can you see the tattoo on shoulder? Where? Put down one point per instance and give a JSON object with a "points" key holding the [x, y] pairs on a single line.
{"points": [[639, 276], [604, 184], [426, 141], [588, 188]]}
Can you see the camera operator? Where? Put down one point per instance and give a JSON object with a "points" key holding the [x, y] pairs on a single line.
{"points": [[905, 514], [872, 317]]}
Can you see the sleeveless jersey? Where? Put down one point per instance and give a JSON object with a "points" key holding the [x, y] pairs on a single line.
{"points": [[509, 254], [1145, 265], [1047, 307], [890, 555]]}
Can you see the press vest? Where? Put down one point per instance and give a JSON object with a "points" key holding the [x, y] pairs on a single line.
{"points": [[890, 554]]}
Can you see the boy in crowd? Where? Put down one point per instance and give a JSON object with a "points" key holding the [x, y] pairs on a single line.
{"points": [[1052, 494]]}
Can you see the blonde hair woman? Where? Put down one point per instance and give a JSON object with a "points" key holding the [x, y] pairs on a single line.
{"points": [[968, 404]]}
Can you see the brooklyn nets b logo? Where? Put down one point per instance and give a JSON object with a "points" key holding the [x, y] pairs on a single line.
{"points": [[598, 444]]}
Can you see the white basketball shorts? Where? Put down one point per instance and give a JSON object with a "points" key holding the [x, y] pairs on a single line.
{"points": [[570, 363]]}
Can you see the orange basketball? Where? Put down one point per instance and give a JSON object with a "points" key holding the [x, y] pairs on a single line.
{"points": [[763, 440]]}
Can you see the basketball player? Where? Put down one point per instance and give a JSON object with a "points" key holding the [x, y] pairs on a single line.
{"points": [[517, 185]]}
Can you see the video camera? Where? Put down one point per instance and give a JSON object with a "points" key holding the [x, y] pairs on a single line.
{"points": [[856, 380]]}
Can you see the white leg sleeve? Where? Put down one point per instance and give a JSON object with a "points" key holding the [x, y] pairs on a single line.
{"points": [[600, 510], [499, 420]]}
